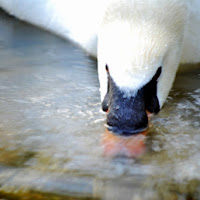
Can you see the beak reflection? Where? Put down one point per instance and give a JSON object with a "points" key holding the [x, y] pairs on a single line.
{"points": [[117, 145]]}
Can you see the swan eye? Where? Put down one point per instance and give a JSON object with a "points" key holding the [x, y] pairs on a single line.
{"points": [[107, 68]]}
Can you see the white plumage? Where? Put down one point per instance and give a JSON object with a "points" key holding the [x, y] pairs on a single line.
{"points": [[134, 37]]}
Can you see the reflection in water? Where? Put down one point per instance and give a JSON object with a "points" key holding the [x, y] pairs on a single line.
{"points": [[134, 146], [131, 146], [53, 144]]}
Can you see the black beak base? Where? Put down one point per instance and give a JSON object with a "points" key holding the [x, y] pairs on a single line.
{"points": [[127, 112]]}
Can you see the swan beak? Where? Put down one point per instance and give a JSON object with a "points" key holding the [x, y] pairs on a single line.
{"points": [[127, 110], [114, 145], [149, 114]]}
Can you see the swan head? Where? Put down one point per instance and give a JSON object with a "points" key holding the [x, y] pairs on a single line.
{"points": [[139, 49]]}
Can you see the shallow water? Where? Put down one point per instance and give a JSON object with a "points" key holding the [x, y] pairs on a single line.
{"points": [[53, 140]]}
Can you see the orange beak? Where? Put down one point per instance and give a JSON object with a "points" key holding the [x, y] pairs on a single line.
{"points": [[149, 114], [132, 146]]}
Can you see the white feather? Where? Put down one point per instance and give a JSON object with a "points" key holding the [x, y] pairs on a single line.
{"points": [[135, 37]]}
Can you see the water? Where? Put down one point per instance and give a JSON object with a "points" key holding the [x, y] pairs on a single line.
{"points": [[53, 141]]}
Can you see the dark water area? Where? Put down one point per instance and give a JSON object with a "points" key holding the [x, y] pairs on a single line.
{"points": [[53, 142]]}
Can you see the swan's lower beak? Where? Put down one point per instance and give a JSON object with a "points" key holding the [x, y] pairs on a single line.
{"points": [[133, 146], [125, 132], [149, 114], [115, 130]]}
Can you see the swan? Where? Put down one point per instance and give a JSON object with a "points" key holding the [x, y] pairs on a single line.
{"points": [[139, 45]]}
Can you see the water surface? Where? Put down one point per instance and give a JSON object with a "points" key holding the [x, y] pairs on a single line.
{"points": [[52, 130]]}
